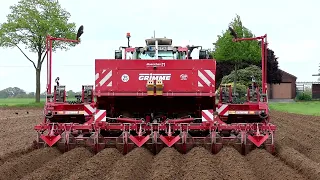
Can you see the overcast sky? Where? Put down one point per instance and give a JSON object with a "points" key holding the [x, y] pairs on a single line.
{"points": [[291, 27]]}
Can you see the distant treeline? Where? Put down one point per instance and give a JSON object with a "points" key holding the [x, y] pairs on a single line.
{"points": [[15, 92]]}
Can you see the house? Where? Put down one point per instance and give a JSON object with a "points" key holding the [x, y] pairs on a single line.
{"points": [[285, 90]]}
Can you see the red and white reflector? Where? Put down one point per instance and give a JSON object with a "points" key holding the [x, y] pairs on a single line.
{"points": [[207, 115], [89, 109], [101, 115]]}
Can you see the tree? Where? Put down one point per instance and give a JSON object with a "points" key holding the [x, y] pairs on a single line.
{"points": [[274, 75], [31, 95], [238, 55], [240, 52], [12, 92], [71, 94], [28, 24], [227, 50]]}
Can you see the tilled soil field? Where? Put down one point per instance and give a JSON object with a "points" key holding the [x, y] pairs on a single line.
{"points": [[298, 156]]}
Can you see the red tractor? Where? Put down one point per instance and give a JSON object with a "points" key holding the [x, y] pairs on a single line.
{"points": [[154, 96]]}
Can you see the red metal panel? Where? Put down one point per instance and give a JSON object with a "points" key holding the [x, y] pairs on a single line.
{"points": [[130, 76], [160, 64], [171, 80]]}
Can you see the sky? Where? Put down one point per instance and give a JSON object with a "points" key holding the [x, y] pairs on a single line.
{"points": [[291, 27]]}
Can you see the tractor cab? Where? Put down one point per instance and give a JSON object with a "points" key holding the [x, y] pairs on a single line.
{"points": [[159, 48]]}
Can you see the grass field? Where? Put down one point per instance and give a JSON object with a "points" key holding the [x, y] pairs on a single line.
{"points": [[21, 102], [310, 108]]}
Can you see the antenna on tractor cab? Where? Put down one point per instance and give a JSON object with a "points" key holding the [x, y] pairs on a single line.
{"points": [[128, 37]]}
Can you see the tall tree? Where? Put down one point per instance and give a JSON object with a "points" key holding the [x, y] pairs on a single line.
{"points": [[227, 50], [237, 53], [28, 24], [274, 75]]}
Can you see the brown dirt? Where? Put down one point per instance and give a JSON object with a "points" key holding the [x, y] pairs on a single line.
{"points": [[9, 112], [60, 167], [300, 162], [18, 167], [199, 164], [167, 165], [136, 164], [97, 167], [296, 131], [17, 133], [233, 165], [298, 156], [267, 166]]}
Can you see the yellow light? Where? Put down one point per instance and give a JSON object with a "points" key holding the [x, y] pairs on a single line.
{"points": [[150, 88], [159, 87]]}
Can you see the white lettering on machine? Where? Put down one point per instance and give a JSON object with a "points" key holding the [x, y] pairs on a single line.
{"points": [[151, 76]]}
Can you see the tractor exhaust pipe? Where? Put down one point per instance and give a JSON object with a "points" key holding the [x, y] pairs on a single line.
{"points": [[128, 37], [156, 44]]}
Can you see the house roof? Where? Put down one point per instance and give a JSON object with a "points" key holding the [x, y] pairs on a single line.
{"points": [[288, 74]]}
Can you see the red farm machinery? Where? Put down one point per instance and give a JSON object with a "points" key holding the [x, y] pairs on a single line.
{"points": [[155, 96]]}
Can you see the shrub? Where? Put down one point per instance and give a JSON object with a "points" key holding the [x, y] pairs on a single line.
{"points": [[304, 96], [244, 76]]}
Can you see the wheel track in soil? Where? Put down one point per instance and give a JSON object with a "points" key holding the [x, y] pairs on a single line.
{"points": [[302, 143], [308, 128], [301, 127], [300, 140], [79, 163], [299, 162], [298, 136], [292, 147], [314, 120]]}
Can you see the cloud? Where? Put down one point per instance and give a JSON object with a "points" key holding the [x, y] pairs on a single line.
{"points": [[3, 73], [291, 52]]}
